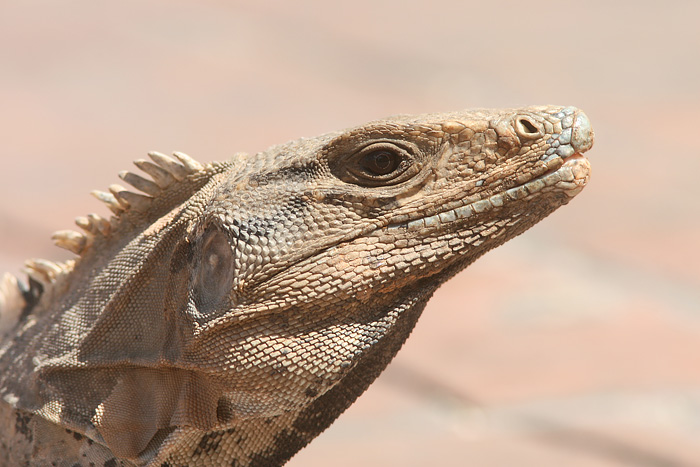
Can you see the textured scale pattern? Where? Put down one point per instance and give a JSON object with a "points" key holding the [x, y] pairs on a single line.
{"points": [[228, 312]]}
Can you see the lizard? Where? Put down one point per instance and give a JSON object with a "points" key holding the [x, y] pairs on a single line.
{"points": [[227, 313]]}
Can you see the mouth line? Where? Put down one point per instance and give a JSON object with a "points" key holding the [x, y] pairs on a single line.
{"points": [[570, 178], [575, 170]]}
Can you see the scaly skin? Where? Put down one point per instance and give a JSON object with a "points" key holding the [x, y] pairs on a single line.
{"points": [[233, 312]]}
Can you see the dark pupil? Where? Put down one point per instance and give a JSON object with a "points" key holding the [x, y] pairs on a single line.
{"points": [[381, 162]]}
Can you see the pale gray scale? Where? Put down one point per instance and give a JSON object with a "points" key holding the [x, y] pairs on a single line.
{"points": [[431, 221], [565, 151], [416, 224], [448, 216], [497, 200], [464, 211], [567, 121], [482, 205], [565, 137]]}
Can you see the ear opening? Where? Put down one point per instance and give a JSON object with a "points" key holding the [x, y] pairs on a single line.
{"points": [[213, 280]]}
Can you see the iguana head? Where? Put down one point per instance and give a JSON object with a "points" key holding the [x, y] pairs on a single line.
{"points": [[262, 291]]}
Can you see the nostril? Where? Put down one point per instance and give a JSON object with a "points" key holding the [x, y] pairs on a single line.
{"points": [[527, 127]]}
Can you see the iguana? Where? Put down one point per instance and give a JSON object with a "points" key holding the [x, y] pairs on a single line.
{"points": [[229, 312]]}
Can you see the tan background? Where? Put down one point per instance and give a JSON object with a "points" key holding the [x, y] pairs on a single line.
{"points": [[577, 344]]}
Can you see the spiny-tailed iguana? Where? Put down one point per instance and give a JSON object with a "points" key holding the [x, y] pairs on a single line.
{"points": [[229, 312]]}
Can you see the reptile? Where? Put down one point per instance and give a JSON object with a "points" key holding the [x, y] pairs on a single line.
{"points": [[227, 313]]}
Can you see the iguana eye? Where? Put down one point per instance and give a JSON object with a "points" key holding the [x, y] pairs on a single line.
{"points": [[381, 162], [378, 164]]}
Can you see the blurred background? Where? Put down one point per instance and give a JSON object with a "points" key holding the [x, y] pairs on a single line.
{"points": [[576, 344]]}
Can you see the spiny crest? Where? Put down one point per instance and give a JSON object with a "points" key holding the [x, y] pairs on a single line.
{"points": [[45, 271], [16, 296], [11, 302], [163, 172], [45, 276]]}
